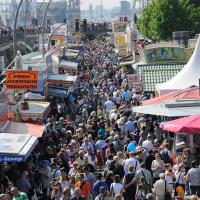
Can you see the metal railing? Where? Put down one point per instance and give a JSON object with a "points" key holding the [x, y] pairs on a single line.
{"points": [[6, 40]]}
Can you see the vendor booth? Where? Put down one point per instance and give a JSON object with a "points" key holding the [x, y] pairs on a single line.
{"points": [[69, 68], [29, 96], [189, 93], [187, 130], [16, 147], [37, 111], [36, 130], [59, 85]]}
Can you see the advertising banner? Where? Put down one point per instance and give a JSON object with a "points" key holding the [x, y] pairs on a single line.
{"points": [[21, 79], [165, 55], [120, 40], [134, 81], [119, 26]]}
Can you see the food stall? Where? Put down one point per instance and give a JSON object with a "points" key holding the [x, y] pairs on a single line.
{"points": [[187, 130], [35, 62], [59, 85], [37, 111], [16, 147], [69, 68]]}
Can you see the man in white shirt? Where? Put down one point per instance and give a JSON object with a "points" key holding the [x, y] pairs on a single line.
{"points": [[147, 144], [131, 162], [159, 187], [108, 106]]}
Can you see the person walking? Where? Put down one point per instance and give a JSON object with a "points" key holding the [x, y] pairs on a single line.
{"points": [[160, 188], [129, 182], [193, 176]]}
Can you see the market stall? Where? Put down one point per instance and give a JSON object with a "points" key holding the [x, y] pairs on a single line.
{"points": [[189, 93], [16, 147], [187, 130], [36, 112], [69, 68], [59, 85], [29, 96], [36, 130]]}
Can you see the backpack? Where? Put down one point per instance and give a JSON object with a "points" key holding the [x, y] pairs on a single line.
{"points": [[165, 157]]}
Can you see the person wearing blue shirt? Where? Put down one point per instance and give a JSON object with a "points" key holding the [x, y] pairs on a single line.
{"points": [[126, 96], [102, 131], [100, 143], [130, 125], [98, 184]]}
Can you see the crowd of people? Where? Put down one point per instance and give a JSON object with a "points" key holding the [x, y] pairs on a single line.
{"points": [[95, 147], [8, 30]]}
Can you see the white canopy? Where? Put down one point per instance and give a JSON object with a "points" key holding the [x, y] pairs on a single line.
{"points": [[33, 96], [68, 64], [187, 77]]}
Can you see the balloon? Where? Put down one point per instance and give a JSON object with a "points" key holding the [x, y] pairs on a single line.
{"points": [[132, 147]]}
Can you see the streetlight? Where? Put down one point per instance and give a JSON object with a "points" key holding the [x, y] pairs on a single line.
{"points": [[44, 26], [38, 21], [14, 28], [25, 31]]}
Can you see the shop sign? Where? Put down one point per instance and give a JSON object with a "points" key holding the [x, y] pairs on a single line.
{"points": [[21, 79]]}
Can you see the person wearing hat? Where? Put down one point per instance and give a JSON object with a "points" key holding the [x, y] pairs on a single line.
{"points": [[83, 185], [161, 187]]}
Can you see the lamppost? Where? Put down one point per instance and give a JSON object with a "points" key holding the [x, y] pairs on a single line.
{"points": [[44, 26], [14, 28], [25, 31], [38, 22]]}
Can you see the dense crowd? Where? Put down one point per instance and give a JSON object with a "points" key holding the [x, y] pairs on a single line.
{"points": [[8, 30], [95, 147]]}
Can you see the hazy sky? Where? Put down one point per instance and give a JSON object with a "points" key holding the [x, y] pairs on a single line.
{"points": [[106, 3]]}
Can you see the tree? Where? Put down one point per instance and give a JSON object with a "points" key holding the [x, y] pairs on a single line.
{"points": [[163, 17]]}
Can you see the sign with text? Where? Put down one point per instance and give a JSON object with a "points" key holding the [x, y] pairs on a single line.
{"points": [[21, 79]]}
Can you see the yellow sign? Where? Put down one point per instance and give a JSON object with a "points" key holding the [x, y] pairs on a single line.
{"points": [[21, 80], [120, 39]]}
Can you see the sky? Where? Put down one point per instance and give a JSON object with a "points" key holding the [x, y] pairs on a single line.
{"points": [[106, 3]]}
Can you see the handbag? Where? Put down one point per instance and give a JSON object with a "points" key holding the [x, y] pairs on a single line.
{"points": [[167, 194], [177, 182]]}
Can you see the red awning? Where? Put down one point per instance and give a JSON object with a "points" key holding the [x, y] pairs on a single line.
{"points": [[189, 93], [190, 125], [24, 128]]}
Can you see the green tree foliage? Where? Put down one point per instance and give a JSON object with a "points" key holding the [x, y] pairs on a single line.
{"points": [[163, 17]]}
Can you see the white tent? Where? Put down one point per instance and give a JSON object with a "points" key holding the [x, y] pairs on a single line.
{"points": [[33, 96], [187, 77]]}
